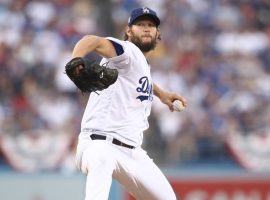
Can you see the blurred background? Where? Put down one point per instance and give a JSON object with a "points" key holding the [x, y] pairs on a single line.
{"points": [[216, 53]]}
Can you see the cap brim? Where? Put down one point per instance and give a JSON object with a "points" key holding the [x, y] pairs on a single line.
{"points": [[154, 17]]}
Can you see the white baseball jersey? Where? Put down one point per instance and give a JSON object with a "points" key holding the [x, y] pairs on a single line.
{"points": [[121, 110]]}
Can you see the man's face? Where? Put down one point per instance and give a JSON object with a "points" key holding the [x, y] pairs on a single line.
{"points": [[144, 34]]}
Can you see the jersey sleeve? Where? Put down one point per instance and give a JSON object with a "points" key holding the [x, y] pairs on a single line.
{"points": [[120, 62]]}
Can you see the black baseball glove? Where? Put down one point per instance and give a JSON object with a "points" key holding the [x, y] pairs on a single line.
{"points": [[89, 76]]}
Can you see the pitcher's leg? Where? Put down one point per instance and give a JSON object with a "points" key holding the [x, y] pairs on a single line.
{"points": [[143, 179], [153, 184], [98, 184], [99, 165]]}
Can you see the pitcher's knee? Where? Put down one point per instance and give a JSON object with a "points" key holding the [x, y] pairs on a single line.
{"points": [[167, 195], [170, 197]]}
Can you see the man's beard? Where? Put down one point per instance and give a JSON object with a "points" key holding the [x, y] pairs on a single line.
{"points": [[144, 47]]}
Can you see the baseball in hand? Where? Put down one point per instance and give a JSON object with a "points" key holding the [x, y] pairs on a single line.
{"points": [[178, 106]]}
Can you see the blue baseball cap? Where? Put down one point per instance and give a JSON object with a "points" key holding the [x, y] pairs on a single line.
{"points": [[144, 11]]}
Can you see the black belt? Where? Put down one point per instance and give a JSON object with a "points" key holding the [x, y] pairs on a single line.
{"points": [[114, 141]]}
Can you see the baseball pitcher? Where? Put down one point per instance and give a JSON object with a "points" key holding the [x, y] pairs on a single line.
{"points": [[109, 145]]}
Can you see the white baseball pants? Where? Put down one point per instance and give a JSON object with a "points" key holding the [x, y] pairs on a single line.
{"points": [[133, 168]]}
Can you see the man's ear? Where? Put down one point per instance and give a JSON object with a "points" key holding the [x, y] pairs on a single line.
{"points": [[128, 31], [158, 35]]}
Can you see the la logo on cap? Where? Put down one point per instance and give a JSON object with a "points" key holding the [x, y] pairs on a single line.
{"points": [[145, 10]]}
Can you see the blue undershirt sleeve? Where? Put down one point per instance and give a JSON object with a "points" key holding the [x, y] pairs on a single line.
{"points": [[118, 48]]}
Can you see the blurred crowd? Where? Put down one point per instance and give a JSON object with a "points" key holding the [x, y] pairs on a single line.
{"points": [[216, 53]]}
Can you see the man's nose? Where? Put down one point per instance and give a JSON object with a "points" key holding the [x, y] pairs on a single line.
{"points": [[146, 29]]}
